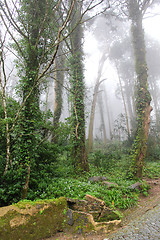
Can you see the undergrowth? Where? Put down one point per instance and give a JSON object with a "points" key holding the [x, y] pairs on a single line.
{"points": [[52, 181]]}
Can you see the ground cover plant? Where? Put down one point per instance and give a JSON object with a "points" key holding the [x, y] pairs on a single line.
{"points": [[111, 164], [53, 176]]}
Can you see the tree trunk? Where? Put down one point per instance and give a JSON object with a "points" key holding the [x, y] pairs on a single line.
{"points": [[79, 154], [154, 88], [100, 103], [58, 87], [30, 112], [3, 91], [124, 102], [143, 97], [108, 114], [93, 106], [92, 116]]}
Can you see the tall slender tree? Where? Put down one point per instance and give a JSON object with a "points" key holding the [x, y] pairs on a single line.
{"points": [[58, 90], [79, 154], [136, 11], [94, 101]]}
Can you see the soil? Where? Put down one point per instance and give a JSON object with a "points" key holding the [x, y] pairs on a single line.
{"points": [[144, 205]]}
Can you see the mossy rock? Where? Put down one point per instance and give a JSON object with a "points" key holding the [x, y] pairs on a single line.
{"points": [[41, 219], [34, 220], [82, 223]]}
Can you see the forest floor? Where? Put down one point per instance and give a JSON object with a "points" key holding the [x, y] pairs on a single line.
{"points": [[144, 205]]}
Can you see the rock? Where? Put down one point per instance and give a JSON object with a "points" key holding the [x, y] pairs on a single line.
{"points": [[70, 217], [97, 179], [108, 215], [78, 205], [109, 184], [43, 218], [33, 220], [136, 185], [85, 223], [100, 203]]}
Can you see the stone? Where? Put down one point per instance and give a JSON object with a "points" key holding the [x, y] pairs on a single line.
{"points": [[108, 214], [70, 217], [95, 200], [136, 185], [24, 220], [110, 184], [97, 179]]}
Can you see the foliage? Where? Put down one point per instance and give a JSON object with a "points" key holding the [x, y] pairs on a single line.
{"points": [[121, 197], [152, 169], [43, 154], [43, 167]]}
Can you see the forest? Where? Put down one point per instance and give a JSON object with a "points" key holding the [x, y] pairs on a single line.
{"points": [[79, 99]]}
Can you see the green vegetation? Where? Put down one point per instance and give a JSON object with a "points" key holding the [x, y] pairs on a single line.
{"points": [[43, 158], [53, 174]]}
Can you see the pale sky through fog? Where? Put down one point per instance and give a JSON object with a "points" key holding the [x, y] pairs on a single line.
{"points": [[151, 27], [152, 24]]}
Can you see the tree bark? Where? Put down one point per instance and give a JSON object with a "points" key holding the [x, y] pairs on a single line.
{"points": [[79, 153], [143, 97]]}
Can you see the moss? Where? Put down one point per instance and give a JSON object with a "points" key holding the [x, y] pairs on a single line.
{"points": [[41, 202], [110, 217], [82, 223], [40, 225]]}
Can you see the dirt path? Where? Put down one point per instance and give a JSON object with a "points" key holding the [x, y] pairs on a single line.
{"points": [[144, 205]]}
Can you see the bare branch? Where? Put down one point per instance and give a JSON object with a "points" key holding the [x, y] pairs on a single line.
{"points": [[58, 41], [11, 20], [19, 48]]}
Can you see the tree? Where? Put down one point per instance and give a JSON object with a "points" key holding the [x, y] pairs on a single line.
{"points": [[33, 24], [58, 89], [3, 85], [121, 55], [79, 154], [136, 11], [93, 106], [101, 106]]}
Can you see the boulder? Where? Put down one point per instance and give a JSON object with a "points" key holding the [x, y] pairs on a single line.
{"points": [[41, 219], [32, 220], [93, 213], [136, 185], [97, 179]]}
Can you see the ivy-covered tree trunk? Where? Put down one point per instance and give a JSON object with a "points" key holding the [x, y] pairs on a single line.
{"points": [[143, 97], [79, 154], [30, 114]]}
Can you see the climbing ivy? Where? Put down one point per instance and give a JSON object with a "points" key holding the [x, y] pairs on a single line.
{"points": [[143, 97]]}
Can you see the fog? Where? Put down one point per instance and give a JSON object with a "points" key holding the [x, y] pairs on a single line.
{"points": [[101, 37], [101, 34]]}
